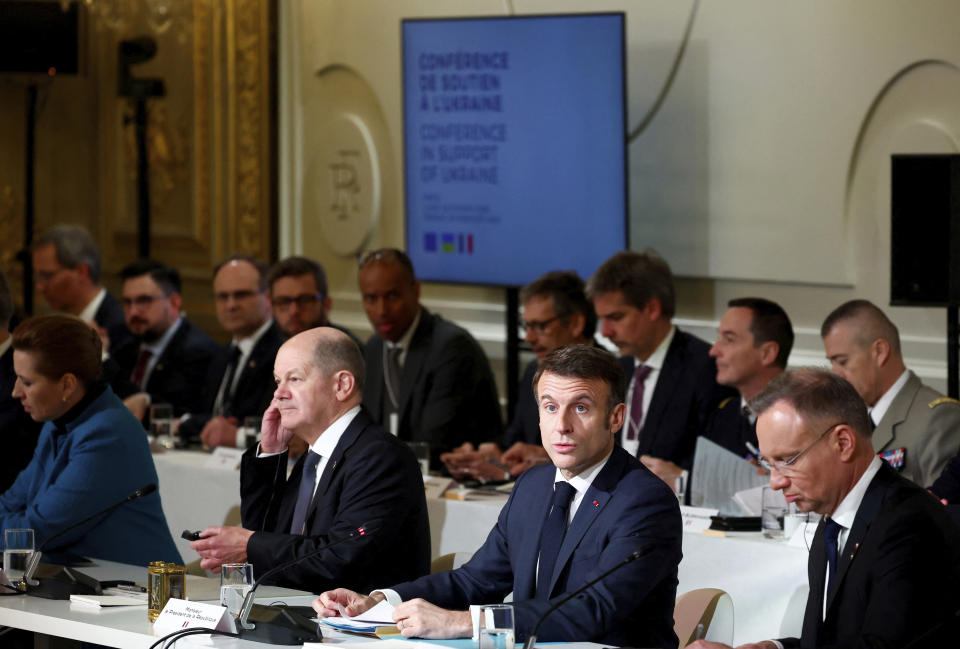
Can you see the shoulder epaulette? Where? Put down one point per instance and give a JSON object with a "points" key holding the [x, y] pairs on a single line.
{"points": [[727, 400], [936, 402]]}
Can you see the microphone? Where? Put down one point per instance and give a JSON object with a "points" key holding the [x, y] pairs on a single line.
{"points": [[281, 633], [643, 550], [27, 579]]}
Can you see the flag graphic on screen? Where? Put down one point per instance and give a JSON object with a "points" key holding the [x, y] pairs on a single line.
{"points": [[457, 243]]}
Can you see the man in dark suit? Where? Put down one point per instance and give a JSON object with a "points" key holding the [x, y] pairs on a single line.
{"points": [[556, 313], [885, 560], [19, 431], [753, 344], [66, 265], [354, 475], [299, 296], [563, 525], [167, 358], [672, 389], [239, 381], [429, 380]]}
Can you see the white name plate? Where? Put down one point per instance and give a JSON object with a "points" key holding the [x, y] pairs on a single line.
{"points": [[224, 457], [181, 614], [696, 519]]}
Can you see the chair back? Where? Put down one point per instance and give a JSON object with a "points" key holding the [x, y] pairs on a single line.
{"points": [[704, 613]]}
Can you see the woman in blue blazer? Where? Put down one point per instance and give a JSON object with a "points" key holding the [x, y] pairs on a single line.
{"points": [[92, 452]]}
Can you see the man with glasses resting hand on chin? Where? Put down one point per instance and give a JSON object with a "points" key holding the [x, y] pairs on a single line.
{"points": [[885, 559]]}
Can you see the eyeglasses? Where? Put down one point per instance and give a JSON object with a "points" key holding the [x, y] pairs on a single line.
{"points": [[238, 296], [141, 301], [784, 467], [302, 301], [538, 326]]}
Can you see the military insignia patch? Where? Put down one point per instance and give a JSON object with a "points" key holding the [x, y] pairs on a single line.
{"points": [[895, 457]]}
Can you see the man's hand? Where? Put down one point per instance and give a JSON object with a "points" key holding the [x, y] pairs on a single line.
{"points": [[462, 465], [219, 431], [421, 619], [138, 404], [340, 601], [663, 469], [521, 456], [220, 545], [274, 438]]}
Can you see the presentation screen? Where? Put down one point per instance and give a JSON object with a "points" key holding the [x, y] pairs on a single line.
{"points": [[514, 145]]}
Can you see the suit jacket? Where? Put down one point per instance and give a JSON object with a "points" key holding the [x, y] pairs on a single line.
{"points": [[178, 376], [110, 316], [372, 480], [730, 429], [447, 395], [685, 396], [896, 577], [924, 422], [626, 508], [525, 426], [88, 460], [254, 387], [18, 430]]}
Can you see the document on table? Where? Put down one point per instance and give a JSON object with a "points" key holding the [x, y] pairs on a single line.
{"points": [[369, 621], [105, 601], [718, 474]]}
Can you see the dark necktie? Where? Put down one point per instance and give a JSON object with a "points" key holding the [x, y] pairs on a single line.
{"points": [[640, 374], [226, 397], [551, 537], [308, 481], [140, 369], [391, 380], [831, 535]]}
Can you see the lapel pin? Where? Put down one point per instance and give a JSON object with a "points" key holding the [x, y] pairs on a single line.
{"points": [[596, 504], [253, 363]]}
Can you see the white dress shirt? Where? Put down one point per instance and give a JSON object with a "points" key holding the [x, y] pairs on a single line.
{"points": [[883, 403]]}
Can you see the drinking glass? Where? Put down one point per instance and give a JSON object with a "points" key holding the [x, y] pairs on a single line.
{"points": [[236, 580], [496, 627], [161, 424], [422, 451], [17, 549], [772, 508]]}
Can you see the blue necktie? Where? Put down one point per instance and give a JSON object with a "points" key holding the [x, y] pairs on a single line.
{"points": [[551, 536], [831, 534], [308, 481]]}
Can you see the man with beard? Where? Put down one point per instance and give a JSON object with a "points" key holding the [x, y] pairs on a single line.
{"points": [[167, 359]]}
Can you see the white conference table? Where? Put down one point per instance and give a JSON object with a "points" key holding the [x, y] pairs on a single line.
{"points": [[129, 628], [767, 580]]}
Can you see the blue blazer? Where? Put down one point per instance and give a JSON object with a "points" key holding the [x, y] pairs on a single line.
{"points": [[626, 507], [99, 459]]}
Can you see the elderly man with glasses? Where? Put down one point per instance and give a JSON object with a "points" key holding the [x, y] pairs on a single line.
{"points": [[885, 560]]}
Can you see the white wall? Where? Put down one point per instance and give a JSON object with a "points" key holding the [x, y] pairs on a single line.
{"points": [[765, 172]]}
